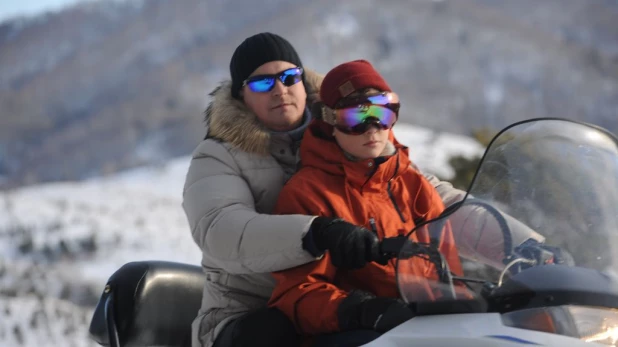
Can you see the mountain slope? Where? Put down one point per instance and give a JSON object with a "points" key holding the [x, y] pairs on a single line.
{"points": [[110, 85]]}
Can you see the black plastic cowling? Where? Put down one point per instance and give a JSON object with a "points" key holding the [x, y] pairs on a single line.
{"points": [[148, 303]]}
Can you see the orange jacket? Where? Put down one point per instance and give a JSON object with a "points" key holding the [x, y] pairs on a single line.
{"points": [[385, 198]]}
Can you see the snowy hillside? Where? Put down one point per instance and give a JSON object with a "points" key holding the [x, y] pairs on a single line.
{"points": [[60, 242]]}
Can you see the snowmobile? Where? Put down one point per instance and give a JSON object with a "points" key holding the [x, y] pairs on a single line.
{"points": [[557, 176]]}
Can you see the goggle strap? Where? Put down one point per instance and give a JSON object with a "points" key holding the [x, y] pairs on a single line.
{"points": [[329, 115]]}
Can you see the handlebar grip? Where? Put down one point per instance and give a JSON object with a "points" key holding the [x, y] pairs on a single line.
{"points": [[391, 246]]}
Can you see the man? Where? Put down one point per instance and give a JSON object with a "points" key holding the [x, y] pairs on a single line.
{"points": [[255, 123]]}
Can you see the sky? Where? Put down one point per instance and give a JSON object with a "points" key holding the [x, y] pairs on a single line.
{"points": [[13, 8]]}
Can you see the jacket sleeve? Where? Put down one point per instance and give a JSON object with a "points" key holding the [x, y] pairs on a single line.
{"points": [[306, 294], [220, 209], [448, 248], [466, 233]]}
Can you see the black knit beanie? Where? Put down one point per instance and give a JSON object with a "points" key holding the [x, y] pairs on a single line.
{"points": [[255, 51]]}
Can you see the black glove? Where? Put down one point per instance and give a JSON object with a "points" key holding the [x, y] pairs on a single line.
{"points": [[544, 254], [350, 246], [561, 256], [361, 310]]}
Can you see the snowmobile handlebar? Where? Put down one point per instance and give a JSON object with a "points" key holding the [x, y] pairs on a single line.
{"points": [[402, 248], [391, 246]]}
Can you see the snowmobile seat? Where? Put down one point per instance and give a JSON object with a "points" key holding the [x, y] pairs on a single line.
{"points": [[148, 303]]}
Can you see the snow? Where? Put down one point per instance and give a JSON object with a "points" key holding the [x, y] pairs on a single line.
{"points": [[60, 242], [63, 240], [431, 150]]}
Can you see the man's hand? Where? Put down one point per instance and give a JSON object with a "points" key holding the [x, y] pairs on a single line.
{"points": [[350, 246], [544, 254]]}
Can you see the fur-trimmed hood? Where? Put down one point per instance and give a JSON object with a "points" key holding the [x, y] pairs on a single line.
{"points": [[230, 120]]}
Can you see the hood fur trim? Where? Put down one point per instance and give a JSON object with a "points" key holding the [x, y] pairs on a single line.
{"points": [[230, 120]]}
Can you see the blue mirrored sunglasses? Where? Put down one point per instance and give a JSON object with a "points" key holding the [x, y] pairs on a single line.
{"points": [[266, 83]]}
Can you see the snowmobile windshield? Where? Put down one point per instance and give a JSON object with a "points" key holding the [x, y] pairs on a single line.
{"points": [[545, 193]]}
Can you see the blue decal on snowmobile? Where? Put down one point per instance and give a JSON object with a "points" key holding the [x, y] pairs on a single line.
{"points": [[513, 339]]}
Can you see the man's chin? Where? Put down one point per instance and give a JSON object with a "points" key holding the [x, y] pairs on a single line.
{"points": [[285, 126], [290, 120]]}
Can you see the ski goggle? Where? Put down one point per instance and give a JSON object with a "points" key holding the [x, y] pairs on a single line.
{"points": [[356, 115], [266, 83]]}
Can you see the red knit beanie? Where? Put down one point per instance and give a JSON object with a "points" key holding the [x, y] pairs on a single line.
{"points": [[349, 77]]}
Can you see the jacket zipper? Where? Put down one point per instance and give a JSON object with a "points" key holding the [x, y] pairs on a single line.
{"points": [[390, 195], [372, 222]]}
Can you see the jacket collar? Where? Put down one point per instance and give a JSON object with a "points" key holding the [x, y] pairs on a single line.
{"points": [[320, 150], [230, 120]]}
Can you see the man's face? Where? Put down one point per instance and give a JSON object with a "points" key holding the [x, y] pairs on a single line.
{"points": [[282, 108]]}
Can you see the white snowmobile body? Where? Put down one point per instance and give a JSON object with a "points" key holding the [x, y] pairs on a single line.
{"points": [[468, 330]]}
